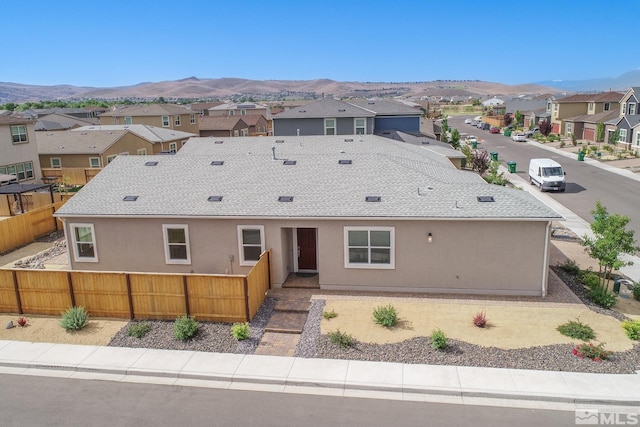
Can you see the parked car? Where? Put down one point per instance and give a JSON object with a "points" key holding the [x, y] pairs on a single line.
{"points": [[494, 129], [484, 126], [467, 121], [520, 137], [530, 133], [471, 139]]}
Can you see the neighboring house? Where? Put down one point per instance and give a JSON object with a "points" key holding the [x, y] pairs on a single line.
{"points": [[242, 109], [330, 116], [19, 149], [258, 125], [365, 213], [86, 113], [223, 126], [524, 105], [578, 105], [492, 102], [96, 146], [160, 115], [586, 126], [628, 124], [58, 121], [202, 108]]}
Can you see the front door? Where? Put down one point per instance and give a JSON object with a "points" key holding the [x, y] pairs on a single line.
{"points": [[306, 238]]}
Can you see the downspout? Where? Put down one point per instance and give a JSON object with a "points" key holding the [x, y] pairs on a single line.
{"points": [[545, 260]]}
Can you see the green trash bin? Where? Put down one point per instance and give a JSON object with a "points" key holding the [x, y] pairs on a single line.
{"points": [[512, 167], [494, 155], [474, 144], [581, 156], [507, 132]]}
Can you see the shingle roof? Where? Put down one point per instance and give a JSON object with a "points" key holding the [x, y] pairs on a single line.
{"points": [[148, 132], [220, 122], [58, 121], [252, 119], [386, 107], [14, 119], [603, 116], [592, 97], [411, 183], [148, 110], [326, 107]]}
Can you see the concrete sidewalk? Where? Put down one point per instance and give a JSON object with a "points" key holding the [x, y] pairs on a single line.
{"points": [[446, 384]]}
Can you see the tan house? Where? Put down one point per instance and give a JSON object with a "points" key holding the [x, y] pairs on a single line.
{"points": [[60, 122], [96, 146], [223, 126], [366, 213], [19, 149], [202, 108], [581, 104], [159, 115], [258, 124], [242, 110]]}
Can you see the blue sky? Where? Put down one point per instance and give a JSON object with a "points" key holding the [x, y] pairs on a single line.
{"points": [[121, 43]]}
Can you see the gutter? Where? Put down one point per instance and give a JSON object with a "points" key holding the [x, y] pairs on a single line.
{"points": [[545, 260]]}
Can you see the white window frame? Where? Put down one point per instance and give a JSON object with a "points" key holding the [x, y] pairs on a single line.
{"points": [[167, 251], [192, 119], [20, 133], [622, 136], [173, 147], [110, 158], [231, 113], [91, 160], [569, 129], [28, 170], [624, 108], [128, 120], [53, 160], [334, 127], [632, 108], [591, 106], [76, 252], [165, 121], [356, 127], [369, 265], [241, 259], [638, 138], [176, 120], [141, 151]]}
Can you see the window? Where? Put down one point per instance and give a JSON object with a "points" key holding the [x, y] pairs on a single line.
{"points": [[28, 170], [231, 112], [591, 105], [141, 151], [56, 162], [192, 119], [244, 132], [607, 106], [110, 158], [622, 136], [637, 138], [569, 129], [116, 120], [127, 120], [94, 162], [360, 125], [176, 243], [251, 243], [22, 171], [173, 147], [19, 134], [165, 121], [329, 126], [369, 247], [624, 108], [243, 112], [632, 108], [236, 132], [555, 107], [84, 243], [176, 119]]}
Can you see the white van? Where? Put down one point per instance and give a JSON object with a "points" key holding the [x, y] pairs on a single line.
{"points": [[547, 174]]}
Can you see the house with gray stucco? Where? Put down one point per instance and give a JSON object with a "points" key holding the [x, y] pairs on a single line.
{"points": [[362, 212]]}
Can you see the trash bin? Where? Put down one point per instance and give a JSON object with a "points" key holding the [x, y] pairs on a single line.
{"points": [[494, 155], [474, 144], [507, 132], [616, 286], [581, 156], [512, 167]]}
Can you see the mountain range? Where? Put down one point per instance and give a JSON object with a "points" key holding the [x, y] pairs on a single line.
{"points": [[234, 88]]}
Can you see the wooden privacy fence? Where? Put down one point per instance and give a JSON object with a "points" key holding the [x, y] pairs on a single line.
{"points": [[212, 297], [25, 228], [74, 176]]}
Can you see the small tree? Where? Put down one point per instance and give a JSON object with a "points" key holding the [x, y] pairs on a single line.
{"points": [[546, 127], [508, 119], [445, 125], [519, 118], [468, 154], [599, 133], [480, 162], [614, 137], [455, 139], [611, 240]]}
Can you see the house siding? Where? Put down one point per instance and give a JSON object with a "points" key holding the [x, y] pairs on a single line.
{"points": [[406, 124], [11, 154]]}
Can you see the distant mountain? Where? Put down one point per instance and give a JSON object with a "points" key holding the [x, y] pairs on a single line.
{"points": [[620, 83], [198, 88]]}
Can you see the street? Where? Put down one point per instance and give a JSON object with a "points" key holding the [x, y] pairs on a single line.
{"points": [[585, 183], [41, 401]]}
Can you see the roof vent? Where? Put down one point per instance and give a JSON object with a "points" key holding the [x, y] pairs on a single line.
{"points": [[289, 162], [217, 163], [425, 142], [344, 162], [130, 198], [214, 199], [302, 111], [348, 140], [342, 110], [373, 199], [218, 141], [371, 103], [279, 141], [285, 199], [151, 164], [386, 133], [486, 199]]}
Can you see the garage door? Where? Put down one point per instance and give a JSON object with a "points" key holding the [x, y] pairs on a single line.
{"points": [[589, 135], [556, 128]]}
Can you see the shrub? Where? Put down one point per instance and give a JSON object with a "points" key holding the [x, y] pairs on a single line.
{"points": [[597, 353], [185, 327], [341, 339], [632, 329], [386, 316], [602, 296], [329, 314], [139, 330], [577, 330], [74, 319], [636, 292], [590, 279], [438, 340], [240, 331], [480, 319], [570, 266]]}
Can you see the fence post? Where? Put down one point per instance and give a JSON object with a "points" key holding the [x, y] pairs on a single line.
{"points": [[269, 267], [131, 313], [15, 286], [186, 295], [246, 299], [71, 294]]}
